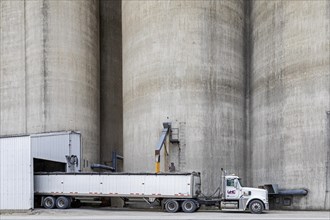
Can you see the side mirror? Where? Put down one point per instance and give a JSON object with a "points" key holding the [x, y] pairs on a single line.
{"points": [[236, 183]]}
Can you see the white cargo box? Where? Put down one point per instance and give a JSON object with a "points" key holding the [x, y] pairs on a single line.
{"points": [[118, 184]]}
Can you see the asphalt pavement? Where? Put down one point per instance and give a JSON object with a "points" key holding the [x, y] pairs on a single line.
{"points": [[122, 214]]}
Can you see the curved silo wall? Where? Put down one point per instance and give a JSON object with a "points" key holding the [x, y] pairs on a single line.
{"points": [[56, 52], [12, 68], [290, 88], [183, 62], [111, 80]]}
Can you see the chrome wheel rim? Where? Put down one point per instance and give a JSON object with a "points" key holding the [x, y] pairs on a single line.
{"points": [[256, 207]]}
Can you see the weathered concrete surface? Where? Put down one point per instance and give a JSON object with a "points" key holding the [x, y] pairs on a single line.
{"points": [[290, 89], [12, 68], [111, 80], [50, 56], [183, 62]]}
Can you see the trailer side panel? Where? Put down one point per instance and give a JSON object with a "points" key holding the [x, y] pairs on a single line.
{"points": [[125, 185]]}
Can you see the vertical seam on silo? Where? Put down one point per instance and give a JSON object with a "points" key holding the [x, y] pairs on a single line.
{"points": [[100, 80], [247, 110], [0, 62], [121, 77], [279, 68], [44, 54], [327, 192], [98, 18], [327, 165], [25, 69]]}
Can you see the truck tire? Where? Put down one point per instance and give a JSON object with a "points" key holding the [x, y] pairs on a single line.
{"points": [[172, 206], [76, 203], [256, 207], [63, 202], [49, 202], [189, 206]]}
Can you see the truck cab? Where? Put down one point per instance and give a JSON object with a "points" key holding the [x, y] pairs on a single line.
{"points": [[235, 197]]}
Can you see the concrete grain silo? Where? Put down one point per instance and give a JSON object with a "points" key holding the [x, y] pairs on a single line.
{"points": [[50, 69], [183, 62], [111, 80], [12, 68], [290, 92]]}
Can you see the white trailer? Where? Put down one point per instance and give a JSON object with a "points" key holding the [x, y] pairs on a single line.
{"points": [[146, 185], [170, 190]]}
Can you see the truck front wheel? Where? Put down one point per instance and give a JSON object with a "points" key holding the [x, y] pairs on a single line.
{"points": [[172, 206], [49, 202], [256, 207], [189, 206]]}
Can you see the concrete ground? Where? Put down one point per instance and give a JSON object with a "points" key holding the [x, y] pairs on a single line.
{"points": [[106, 213]]}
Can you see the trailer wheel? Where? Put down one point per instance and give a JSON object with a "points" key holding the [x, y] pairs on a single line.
{"points": [[256, 207], [76, 203], [49, 202], [172, 206], [63, 202], [189, 206]]}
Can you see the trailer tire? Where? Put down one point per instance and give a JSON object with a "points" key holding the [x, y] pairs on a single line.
{"points": [[63, 202], [76, 203], [172, 206], [189, 206], [256, 207], [49, 202]]}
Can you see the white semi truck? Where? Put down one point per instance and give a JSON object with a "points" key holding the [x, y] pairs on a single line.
{"points": [[173, 191]]}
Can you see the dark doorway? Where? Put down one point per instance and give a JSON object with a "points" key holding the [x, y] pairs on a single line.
{"points": [[48, 166]]}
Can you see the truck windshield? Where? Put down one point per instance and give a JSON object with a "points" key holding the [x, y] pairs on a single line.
{"points": [[240, 182]]}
